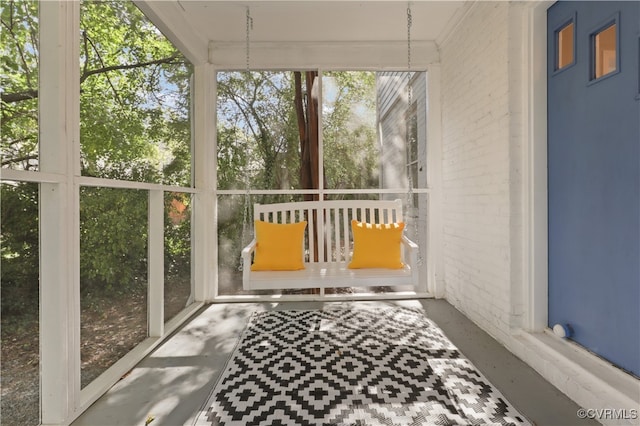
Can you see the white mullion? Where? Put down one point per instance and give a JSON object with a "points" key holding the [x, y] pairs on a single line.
{"points": [[204, 225], [59, 124], [312, 239], [320, 139], [400, 191], [321, 240], [326, 235], [432, 274], [127, 184], [243, 192], [155, 279], [31, 176], [346, 224], [336, 215]]}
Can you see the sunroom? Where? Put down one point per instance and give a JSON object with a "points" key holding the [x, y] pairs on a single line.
{"points": [[137, 137]]}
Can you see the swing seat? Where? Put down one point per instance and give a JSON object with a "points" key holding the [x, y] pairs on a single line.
{"points": [[328, 246]]}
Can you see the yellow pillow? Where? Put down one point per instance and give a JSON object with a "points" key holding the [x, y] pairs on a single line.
{"points": [[376, 245], [279, 246]]}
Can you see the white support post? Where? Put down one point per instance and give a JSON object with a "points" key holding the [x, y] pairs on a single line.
{"points": [[434, 258], [319, 97], [155, 299], [59, 210], [204, 228], [535, 172], [56, 326]]}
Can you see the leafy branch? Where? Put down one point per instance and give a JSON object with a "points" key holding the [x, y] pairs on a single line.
{"points": [[33, 93]]}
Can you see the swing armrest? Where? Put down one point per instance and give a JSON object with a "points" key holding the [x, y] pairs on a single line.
{"points": [[411, 256], [246, 258], [246, 252], [409, 244]]}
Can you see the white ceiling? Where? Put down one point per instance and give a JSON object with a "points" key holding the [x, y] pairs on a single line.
{"points": [[308, 21], [197, 22]]}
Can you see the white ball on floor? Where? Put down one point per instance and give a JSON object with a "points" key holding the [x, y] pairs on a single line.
{"points": [[561, 330]]}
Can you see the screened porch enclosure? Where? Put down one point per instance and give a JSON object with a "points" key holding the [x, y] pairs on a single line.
{"points": [[136, 163], [136, 136]]}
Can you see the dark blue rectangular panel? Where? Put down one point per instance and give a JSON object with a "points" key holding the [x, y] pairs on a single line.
{"points": [[594, 186]]}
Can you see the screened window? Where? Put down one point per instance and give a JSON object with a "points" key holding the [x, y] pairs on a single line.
{"points": [[19, 224], [113, 276], [135, 98], [349, 132], [19, 295], [135, 126], [19, 82], [287, 136], [258, 139], [177, 252]]}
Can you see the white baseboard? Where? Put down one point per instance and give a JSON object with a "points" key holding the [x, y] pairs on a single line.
{"points": [[608, 393]]}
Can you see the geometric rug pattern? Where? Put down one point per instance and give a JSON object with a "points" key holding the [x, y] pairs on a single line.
{"points": [[354, 366]]}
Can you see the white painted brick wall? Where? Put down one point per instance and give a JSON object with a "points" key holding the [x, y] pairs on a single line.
{"points": [[476, 168]]}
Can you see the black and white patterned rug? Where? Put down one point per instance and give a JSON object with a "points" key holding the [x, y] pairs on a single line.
{"points": [[355, 366]]}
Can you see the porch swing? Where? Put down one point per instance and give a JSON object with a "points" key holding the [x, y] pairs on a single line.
{"points": [[330, 243]]}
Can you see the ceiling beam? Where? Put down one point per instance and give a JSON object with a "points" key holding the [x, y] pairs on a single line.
{"points": [[171, 20]]}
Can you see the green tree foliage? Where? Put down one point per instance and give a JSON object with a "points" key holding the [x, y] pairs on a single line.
{"points": [[113, 240], [134, 102], [258, 140], [349, 130], [177, 229], [19, 248], [135, 108], [257, 136], [134, 125], [19, 84]]}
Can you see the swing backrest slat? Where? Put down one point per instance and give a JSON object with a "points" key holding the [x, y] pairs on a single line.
{"points": [[332, 241]]}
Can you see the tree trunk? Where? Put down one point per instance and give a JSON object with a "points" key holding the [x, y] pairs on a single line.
{"points": [[309, 130], [307, 113]]}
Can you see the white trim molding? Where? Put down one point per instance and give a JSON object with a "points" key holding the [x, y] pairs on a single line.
{"points": [[434, 258], [168, 17], [379, 55], [535, 168]]}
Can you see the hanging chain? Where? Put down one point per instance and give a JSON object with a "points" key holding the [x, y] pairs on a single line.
{"points": [[246, 229], [410, 138], [247, 37], [409, 24], [409, 96]]}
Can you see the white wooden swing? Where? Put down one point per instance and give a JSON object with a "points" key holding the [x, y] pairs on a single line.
{"points": [[327, 256]]}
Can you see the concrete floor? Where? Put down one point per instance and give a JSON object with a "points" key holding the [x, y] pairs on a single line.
{"points": [[173, 382]]}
